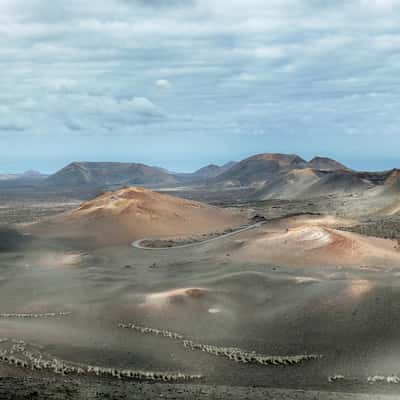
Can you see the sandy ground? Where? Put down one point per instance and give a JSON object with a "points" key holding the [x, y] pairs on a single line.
{"points": [[314, 241], [63, 300], [75, 389], [348, 315]]}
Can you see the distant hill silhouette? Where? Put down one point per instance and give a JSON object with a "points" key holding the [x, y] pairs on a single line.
{"points": [[269, 175], [108, 174]]}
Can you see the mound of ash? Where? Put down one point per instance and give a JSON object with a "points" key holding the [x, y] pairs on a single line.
{"points": [[134, 213]]}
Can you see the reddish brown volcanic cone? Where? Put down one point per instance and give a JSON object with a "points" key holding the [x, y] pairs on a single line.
{"points": [[134, 213]]}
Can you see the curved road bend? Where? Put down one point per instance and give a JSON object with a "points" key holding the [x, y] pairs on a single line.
{"points": [[138, 243]]}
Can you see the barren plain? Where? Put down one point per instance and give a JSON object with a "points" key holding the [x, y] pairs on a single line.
{"points": [[296, 302]]}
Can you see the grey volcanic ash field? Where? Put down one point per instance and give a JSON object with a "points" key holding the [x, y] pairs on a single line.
{"points": [[300, 301]]}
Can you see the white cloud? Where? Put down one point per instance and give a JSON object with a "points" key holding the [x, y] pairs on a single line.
{"points": [[246, 77], [62, 84], [12, 122], [264, 52], [163, 83], [384, 4], [85, 111], [275, 67]]}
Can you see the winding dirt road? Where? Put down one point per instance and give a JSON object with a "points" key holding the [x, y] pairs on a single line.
{"points": [[138, 243]]}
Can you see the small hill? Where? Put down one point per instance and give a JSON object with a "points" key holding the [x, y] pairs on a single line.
{"points": [[31, 173], [102, 174], [290, 185], [324, 163], [377, 178], [314, 243], [135, 213], [338, 182], [208, 171], [391, 210], [308, 183], [212, 170], [260, 168], [203, 174], [26, 181], [8, 177], [393, 179], [388, 195]]}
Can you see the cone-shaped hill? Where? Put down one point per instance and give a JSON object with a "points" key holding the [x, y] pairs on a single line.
{"points": [[133, 213]]}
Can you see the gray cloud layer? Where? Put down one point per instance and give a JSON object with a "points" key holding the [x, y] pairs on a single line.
{"points": [[289, 68]]}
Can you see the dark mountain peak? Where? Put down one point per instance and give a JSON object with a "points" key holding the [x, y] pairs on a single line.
{"points": [[31, 173], [325, 163], [212, 170], [261, 167], [209, 167], [393, 178], [100, 174], [229, 164], [278, 157], [208, 171]]}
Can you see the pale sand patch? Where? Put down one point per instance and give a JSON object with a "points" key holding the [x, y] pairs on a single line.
{"points": [[55, 259], [360, 287], [316, 245], [161, 299], [305, 279]]}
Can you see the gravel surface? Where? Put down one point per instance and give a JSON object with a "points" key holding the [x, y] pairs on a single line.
{"points": [[26, 388]]}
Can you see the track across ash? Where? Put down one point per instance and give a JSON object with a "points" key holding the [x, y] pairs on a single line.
{"points": [[138, 243]]}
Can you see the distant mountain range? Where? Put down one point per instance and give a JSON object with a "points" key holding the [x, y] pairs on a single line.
{"points": [[114, 174], [25, 176], [263, 168], [269, 175], [257, 169]]}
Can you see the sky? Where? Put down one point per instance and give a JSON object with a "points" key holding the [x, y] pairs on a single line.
{"points": [[184, 83]]}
